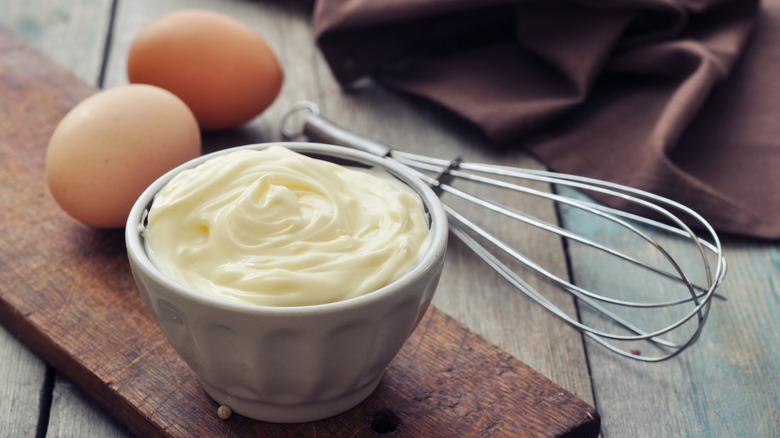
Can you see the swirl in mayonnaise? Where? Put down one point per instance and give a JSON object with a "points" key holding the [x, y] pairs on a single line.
{"points": [[276, 228]]}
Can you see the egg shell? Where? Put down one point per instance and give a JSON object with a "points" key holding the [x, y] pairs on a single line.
{"points": [[108, 148], [222, 69]]}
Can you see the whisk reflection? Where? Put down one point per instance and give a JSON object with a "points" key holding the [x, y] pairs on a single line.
{"points": [[663, 242]]}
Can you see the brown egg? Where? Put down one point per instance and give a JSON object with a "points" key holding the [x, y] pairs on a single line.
{"points": [[221, 68], [112, 145]]}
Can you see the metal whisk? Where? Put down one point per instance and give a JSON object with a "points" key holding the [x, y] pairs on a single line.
{"points": [[664, 227]]}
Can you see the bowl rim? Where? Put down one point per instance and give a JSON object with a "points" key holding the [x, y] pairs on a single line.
{"points": [[439, 229]]}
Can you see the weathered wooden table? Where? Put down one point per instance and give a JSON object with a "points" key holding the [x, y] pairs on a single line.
{"points": [[727, 385]]}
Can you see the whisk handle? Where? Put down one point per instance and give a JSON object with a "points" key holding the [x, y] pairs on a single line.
{"points": [[317, 128]]}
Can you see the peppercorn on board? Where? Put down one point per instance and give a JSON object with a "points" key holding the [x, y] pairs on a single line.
{"points": [[66, 291]]}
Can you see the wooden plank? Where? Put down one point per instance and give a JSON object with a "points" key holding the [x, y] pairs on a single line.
{"points": [[22, 375], [725, 385], [73, 413], [497, 311], [70, 32], [73, 34], [68, 294]]}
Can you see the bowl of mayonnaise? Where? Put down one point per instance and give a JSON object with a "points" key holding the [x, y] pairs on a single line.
{"points": [[287, 275]]}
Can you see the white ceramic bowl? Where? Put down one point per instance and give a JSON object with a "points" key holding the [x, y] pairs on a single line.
{"points": [[290, 364]]}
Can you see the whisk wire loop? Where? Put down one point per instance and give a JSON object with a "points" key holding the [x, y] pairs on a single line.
{"points": [[522, 285]]}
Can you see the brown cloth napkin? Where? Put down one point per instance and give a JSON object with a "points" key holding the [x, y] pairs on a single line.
{"points": [[680, 98]]}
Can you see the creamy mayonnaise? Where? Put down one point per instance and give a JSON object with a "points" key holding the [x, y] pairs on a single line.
{"points": [[277, 228]]}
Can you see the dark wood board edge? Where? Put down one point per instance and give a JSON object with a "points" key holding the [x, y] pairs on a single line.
{"points": [[446, 379]]}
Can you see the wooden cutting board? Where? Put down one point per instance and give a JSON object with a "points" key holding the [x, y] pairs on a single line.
{"points": [[66, 291]]}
